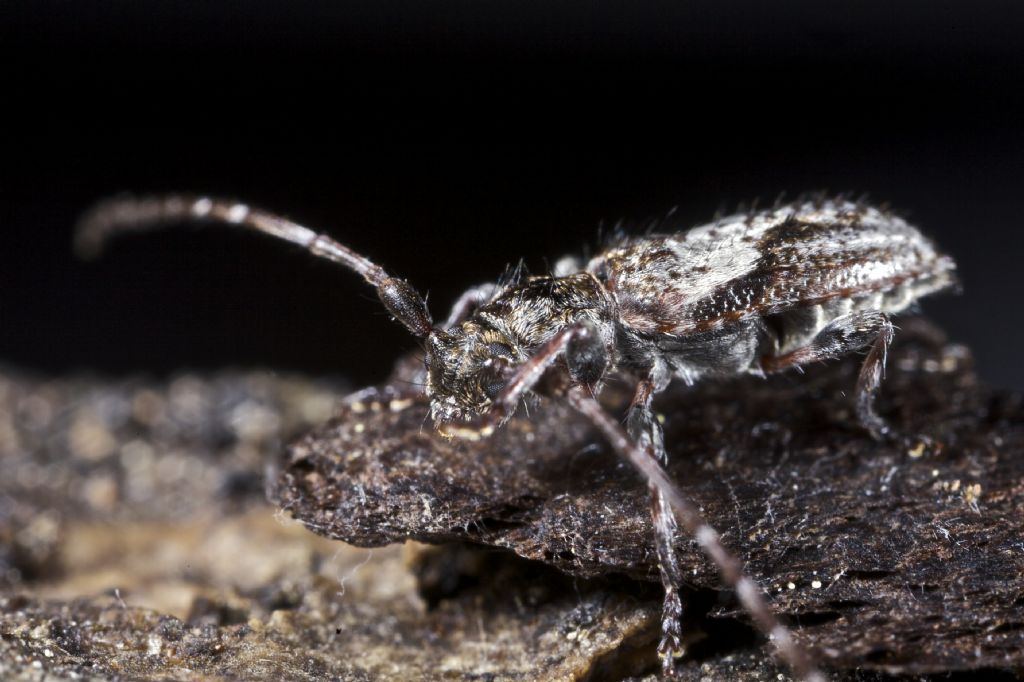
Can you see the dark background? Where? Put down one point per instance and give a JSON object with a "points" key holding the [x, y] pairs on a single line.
{"points": [[448, 139]]}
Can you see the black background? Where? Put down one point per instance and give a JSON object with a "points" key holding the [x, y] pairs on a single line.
{"points": [[448, 139]]}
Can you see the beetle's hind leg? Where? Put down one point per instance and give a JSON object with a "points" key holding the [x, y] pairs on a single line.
{"points": [[870, 378], [849, 333], [644, 428]]}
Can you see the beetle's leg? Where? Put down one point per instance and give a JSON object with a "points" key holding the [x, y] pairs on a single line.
{"points": [[731, 570], [392, 396], [585, 355], [580, 342], [844, 335], [643, 426], [870, 378], [468, 302]]}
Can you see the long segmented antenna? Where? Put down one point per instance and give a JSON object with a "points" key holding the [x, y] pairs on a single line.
{"points": [[581, 398], [129, 214], [748, 592]]}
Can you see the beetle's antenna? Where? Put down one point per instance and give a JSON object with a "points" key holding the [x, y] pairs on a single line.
{"points": [[125, 214], [748, 592], [581, 398]]}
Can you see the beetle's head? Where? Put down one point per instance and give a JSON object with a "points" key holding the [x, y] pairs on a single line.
{"points": [[467, 366]]}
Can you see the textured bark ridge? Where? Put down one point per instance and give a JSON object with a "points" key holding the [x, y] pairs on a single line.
{"points": [[136, 543], [886, 557]]}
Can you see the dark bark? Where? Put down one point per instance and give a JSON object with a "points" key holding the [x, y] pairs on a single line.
{"points": [[883, 557], [135, 543]]}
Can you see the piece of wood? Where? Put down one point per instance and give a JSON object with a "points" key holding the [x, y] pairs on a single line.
{"points": [[883, 557]]}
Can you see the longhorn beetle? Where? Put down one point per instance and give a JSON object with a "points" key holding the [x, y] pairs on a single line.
{"points": [[749, 294]]}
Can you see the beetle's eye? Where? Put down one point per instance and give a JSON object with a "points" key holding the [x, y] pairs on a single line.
{"points": [[492, 386], [500, 350]]}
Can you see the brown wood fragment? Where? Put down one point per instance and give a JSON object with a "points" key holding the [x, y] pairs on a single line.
{"points": [[900, 560], [134, 540]]}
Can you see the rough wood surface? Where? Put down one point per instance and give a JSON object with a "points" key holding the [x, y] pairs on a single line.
{"points": [[885, 558], [135, 541]]}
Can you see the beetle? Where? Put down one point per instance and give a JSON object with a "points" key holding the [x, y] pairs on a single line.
{"points": [[753, 293]]}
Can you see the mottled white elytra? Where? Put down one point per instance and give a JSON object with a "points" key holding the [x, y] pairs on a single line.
{"points": [[753, 293]]}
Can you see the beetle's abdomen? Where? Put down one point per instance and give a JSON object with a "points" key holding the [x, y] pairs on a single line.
{"points": [[769, 263]]}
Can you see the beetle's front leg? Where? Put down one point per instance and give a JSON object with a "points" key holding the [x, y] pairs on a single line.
{"points": [[581, 344], [731, 570], [643, 426]]}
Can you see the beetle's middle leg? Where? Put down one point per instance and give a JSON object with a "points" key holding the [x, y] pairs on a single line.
{"points": [[844, 335], [643, 426]]}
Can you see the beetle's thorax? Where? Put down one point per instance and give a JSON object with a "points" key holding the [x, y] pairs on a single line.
{"points": [[469, 363]]}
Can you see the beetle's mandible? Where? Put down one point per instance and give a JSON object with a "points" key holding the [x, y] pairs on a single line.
{"points": [[755, 293]]}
